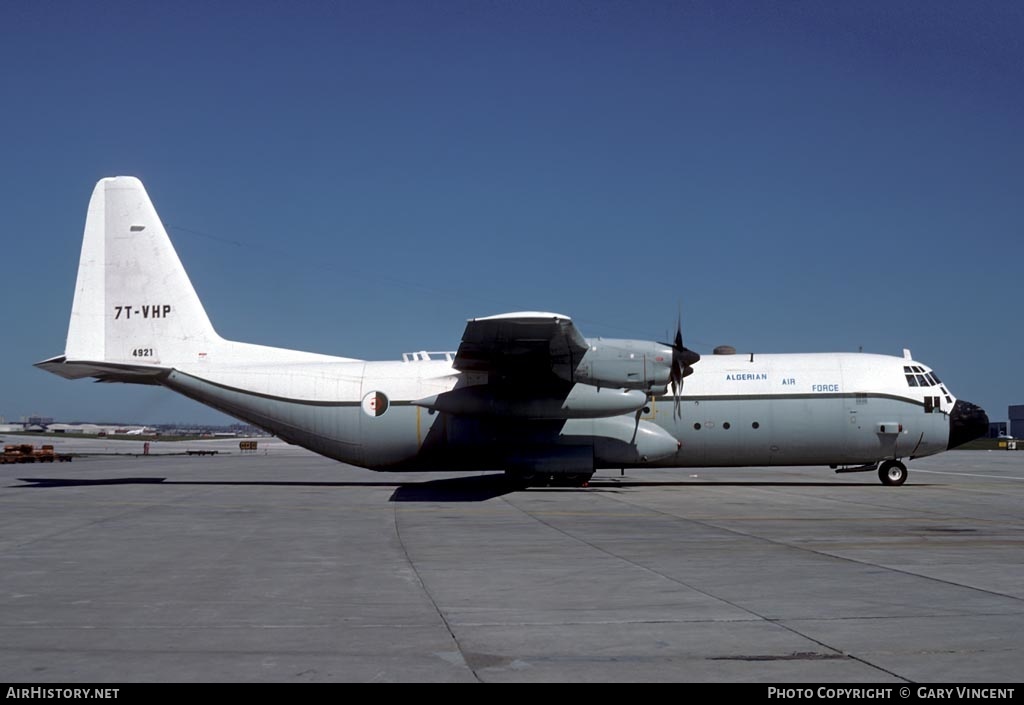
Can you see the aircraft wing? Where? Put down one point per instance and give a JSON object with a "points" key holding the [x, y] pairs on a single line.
{"points": [[530, 360], [525, 346]]}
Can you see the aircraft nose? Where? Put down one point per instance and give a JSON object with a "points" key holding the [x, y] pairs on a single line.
{"points": [[967, 421]]}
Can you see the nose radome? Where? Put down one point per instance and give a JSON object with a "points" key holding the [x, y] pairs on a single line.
{"points": [[967, 421]]}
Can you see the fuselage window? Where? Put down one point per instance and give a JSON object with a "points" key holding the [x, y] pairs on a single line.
{"points": [[696, 427]]}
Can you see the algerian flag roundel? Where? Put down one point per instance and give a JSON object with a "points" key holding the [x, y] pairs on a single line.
{"points": [[375, 404]]}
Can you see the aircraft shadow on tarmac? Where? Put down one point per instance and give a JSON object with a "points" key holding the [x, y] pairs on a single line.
{"points": [[476, 488], [473, 488]]}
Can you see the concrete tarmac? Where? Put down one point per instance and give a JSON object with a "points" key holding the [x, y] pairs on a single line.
{"points": [[284, 566]]}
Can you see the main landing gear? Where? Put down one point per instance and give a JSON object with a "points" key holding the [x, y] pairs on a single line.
{"points": [[892, 473]]}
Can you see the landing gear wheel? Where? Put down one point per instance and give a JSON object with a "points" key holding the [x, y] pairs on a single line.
{"points": [[892, 473]]}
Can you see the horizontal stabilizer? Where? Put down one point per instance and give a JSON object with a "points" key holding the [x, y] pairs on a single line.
{"points": [[103, 371]]}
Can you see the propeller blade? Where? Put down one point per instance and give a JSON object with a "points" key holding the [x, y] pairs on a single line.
{"points": [[682, 359], [636, 426]]}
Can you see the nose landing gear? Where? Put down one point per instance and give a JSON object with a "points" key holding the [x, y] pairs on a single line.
{"points": [[892, 473]]}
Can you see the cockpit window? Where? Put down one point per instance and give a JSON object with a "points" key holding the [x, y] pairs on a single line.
{"points": [[919, 377]]}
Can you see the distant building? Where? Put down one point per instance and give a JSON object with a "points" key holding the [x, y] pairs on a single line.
{"points": [[1017, 421], [39, 420], [88, 429], [997, 429]]}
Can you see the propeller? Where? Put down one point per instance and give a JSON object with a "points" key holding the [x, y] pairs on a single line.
{"points": [[681, 367], [682, 361]]}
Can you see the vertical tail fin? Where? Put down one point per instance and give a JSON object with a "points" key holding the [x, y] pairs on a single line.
{"points": [[135, 314], [134, 303]]}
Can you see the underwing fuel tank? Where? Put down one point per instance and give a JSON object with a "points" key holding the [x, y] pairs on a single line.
{"points": [[622, 441], [587, 444], [583, 402]]}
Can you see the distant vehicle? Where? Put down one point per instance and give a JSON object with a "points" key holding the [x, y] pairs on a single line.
{"points": [[1005, 437], [525, 392], [27, 453]]}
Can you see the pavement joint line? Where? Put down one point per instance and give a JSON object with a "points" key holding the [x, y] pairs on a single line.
{"points": [[780, 622], [968, 632], [763, 618], [829, 555], [971, 474], [810, 549], [426, 591], [135, 508], [777, 491]]}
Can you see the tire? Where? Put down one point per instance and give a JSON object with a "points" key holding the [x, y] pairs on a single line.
{"points": [[892, 473]]}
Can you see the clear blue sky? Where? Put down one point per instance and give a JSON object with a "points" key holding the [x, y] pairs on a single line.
{"points": [[360, 178]]}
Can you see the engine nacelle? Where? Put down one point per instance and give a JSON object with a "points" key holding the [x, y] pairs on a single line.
{"points": [[625, 364]]}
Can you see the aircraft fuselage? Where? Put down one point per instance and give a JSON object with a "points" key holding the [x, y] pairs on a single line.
{"points": [[762, 409]]}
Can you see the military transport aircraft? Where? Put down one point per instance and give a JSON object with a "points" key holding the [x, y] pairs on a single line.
{"points": [[525, 392]]}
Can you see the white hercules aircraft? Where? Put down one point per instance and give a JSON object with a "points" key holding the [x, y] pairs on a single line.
{"points": [[524, 393]]}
